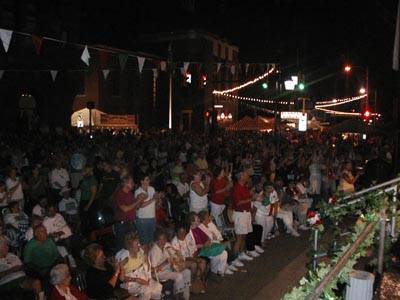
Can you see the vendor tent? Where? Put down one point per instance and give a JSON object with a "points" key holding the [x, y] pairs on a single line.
{"points": [[252, 124], [101, 120]]}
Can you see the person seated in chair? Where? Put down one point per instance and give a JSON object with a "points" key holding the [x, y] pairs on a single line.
{"points": [[40, 253], [13, 279]]}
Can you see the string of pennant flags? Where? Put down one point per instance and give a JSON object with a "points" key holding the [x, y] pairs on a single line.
{"points": [[6, 37]]}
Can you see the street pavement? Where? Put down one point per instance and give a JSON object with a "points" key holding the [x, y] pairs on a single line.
{"points": [[267, 277]]}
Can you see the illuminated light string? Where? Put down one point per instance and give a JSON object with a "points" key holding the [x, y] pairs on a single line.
{"points": [[246, 84], [257, 99], [336, 112], [338, 101], [254, 106]]}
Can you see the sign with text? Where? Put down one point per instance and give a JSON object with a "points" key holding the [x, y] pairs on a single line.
{"points": [[291, 115], [303, 122]]}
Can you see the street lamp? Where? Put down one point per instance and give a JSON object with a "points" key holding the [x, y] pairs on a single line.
{"points": [[348, 69]]}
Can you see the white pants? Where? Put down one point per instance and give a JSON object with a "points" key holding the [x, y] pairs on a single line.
{"points": [[216, 212], [181, 281], [287, 218], [145, 292], [267, 222], [218, 263]]}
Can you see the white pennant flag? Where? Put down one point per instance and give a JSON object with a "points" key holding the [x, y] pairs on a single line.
{"points": [[85, 56], [1, 74], [53, 74], [155, 72], [233, 69], [185, 66], [105, 73], [5, 36], [218, 67], [140, 63], [247, 68], [163, 66]]}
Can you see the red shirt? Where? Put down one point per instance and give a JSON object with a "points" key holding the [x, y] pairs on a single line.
{"points": [[217, 184], [200, 237], [55, 295], [122, 198], [161, 217], [240, 193]]}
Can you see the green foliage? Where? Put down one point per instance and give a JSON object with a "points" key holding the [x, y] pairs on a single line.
{"points": [[368, 210]]}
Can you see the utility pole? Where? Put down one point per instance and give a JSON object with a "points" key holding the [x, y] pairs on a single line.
{"points": [[170, 83]]}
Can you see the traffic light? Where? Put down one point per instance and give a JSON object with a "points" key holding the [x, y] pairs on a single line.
{"points": [[264, 85], [203, 80], [366, 115], [188, 78], [301, 86]]}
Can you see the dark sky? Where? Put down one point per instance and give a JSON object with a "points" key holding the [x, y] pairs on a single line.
{"points": [[316, 37]]}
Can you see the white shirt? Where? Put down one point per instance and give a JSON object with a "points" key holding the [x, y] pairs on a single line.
{"points": [[187, 247], [18, 193], [69, 206], [58, 175], [158, 256], [264, 210], [8, 262], [15, 219], [197, 203], [150, 210], [39, 211], [182, 188], [212, 231], [56, 224]]}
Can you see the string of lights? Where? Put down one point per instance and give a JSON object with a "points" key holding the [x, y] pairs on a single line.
{"points": [[247, 83], [339, 113], [334, 102], [268, 101]]}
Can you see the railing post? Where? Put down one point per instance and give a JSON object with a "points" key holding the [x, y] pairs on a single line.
{"points": [[382, 234], [393, 232], [315, 249]]}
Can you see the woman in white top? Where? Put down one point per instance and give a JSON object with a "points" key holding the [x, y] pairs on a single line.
{"points": [[187, 248], [161, 261], [266, 204], [146, 213], [198, 199], [14, 188], [347, 179]]}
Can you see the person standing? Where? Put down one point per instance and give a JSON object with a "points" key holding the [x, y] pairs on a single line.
{"points": [[198, 199], [14, 188], [146, 212], [87, 205], [124, 206], [241, 205], [58, 179], [220, 186]]}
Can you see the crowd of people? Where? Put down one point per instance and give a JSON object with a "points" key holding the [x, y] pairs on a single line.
{"points": [[184, 208]]}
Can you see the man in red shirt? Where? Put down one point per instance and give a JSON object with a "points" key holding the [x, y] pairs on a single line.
{"points": [[241, 205], [124, 206], [220, 186]]}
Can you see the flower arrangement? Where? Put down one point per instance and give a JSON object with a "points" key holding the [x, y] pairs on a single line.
{"points": [[313, 219]]}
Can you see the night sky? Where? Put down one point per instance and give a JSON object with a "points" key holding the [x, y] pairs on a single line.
{"points": [[314, 37]]}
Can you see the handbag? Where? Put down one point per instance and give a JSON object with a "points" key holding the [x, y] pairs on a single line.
{"points": [[179, 263], [213, 250]]}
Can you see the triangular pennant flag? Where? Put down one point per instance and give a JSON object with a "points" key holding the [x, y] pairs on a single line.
{"points": [[1, 74], [233, 69], [218, 67], [105, 73], [103, 58], [267, 67], [163, 66], [140, 63], [37, 41], [185, 66], [123, 58], [155, 72], [5, 36], [247, 68], [85, 56], [53, 74]]}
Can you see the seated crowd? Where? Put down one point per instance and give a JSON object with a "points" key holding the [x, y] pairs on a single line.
{"points": [[174, 219]]}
